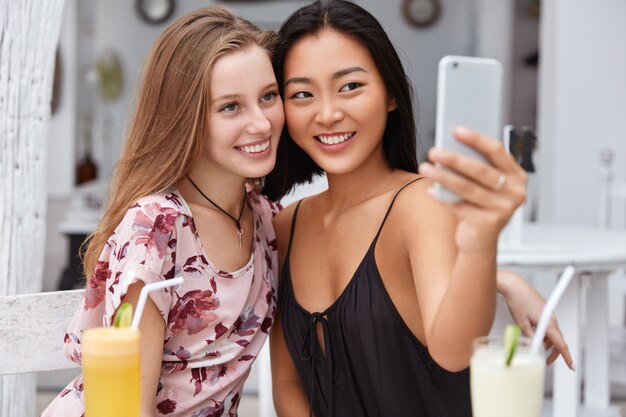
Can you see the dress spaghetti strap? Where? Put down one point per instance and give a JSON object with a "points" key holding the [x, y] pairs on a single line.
{"points": [[293, 228], [391, 205]]}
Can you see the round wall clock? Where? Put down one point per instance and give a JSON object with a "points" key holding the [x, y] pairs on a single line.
{"points": [[421, 13], [154, 11]]}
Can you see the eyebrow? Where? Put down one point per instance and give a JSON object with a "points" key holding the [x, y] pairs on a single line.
{"points": [[338, 74], [234, 96]]}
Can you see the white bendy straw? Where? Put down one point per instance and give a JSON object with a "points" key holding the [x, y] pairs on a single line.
{"points": [[144, 295], [553, 300]]}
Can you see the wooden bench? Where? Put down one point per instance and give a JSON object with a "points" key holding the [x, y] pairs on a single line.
{"points": [[31, 338], [32, 328]]}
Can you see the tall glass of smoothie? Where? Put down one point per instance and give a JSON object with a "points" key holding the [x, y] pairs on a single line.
{"points": [[111, 376], [499, 390]]}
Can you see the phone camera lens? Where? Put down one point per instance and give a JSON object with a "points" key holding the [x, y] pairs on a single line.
{"points": [[455, 65]]}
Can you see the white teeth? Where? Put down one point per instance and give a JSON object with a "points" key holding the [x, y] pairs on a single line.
{"points": [[255, 148], [335, 139]]}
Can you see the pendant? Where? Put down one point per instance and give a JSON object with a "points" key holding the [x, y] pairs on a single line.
{"points": [[240, 233]]}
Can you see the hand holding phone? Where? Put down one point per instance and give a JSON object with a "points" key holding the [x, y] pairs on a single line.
{"points": [[469, 94]]}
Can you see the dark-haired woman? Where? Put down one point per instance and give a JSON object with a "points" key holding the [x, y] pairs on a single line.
{"points": [[383, 287]]}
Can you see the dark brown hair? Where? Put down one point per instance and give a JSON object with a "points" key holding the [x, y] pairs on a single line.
{"points": [[293, 165]]}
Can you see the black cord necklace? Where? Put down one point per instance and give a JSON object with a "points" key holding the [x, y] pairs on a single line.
{"points": [[237, 220]]}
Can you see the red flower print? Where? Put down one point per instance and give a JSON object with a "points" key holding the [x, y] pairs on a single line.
{"points": [[216, 372], [234, 405], [215, 410], [166, 406], [171, 367], [193, 312], [173, 198], [220, 329], [171, 273], [162, 231], [121, 252], [153, 227], [213, 354], [267, 325], [246, 323], [94, 293], [76, 357], [198, 376], [188, 222], [195, 264], [115, 282], [182, 353], [268, 259]]}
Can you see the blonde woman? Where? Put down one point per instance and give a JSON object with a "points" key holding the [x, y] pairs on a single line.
{"points": [[208, 117]]}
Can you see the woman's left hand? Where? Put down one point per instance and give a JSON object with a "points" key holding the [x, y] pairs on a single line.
{"points": [[491, 191], [525, 305]]}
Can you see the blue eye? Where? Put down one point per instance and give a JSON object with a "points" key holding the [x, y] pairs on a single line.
{"points": [[350, 86], [302, 94], [269, 96], [230, 107]]}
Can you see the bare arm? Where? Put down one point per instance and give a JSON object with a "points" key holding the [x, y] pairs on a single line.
{"points": [[525, 305], [453, 257], [152, 329], [290, 399], [456, 292]]}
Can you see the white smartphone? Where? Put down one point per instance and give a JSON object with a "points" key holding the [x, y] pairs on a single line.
{"points": [[469, 94]]}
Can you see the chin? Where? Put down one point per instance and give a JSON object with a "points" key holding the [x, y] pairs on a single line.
{"points": [[260, 170], [338, 167]]}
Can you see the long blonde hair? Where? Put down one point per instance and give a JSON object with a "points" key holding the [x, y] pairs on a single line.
{"points": [[168, 131]]}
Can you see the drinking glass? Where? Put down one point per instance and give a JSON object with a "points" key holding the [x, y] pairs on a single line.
{"points": [[498, 390], [111, 376]]}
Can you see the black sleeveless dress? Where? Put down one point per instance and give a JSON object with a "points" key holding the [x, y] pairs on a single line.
{"points": [[373, 365]]}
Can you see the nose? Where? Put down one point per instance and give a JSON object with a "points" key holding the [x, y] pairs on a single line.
{"points": [[259, 123], [328, 113]]}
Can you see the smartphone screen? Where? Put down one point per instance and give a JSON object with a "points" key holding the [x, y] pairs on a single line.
{"points": [[469, 94]]}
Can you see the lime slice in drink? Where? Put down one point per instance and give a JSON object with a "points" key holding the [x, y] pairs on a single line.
{"points": [[123, 316], [512, 333]]}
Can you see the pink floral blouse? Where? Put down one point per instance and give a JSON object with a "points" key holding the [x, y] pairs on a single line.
{"points": [[216, 321]]}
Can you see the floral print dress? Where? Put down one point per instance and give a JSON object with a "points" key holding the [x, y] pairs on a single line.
{"points": [[216, 321]]}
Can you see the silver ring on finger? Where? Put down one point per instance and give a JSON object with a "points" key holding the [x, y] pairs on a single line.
{"points": [[500, 183]]}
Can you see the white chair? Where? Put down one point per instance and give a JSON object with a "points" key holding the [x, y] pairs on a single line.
{"points": [[611, 192], [32, 329], [31, 340]]}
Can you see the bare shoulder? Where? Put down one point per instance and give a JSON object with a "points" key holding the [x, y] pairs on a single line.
{"points": [[420, 211], [282, 220], [282, 226]]}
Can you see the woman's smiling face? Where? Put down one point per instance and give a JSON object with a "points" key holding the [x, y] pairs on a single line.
{"points": [[246, 114], [336, 101]]}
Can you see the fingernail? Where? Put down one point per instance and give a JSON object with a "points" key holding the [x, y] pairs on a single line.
{"points": [[462, 131], [426, 169], [435, 153]]}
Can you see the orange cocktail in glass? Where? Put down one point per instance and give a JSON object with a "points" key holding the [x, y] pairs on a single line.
{"points": [[111, 376]]}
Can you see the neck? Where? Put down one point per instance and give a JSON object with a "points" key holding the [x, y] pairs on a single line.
{"points": [[367, 180], [224, 191]]}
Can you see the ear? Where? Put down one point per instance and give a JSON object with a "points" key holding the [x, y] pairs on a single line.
{"points": [[392, 104]]}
